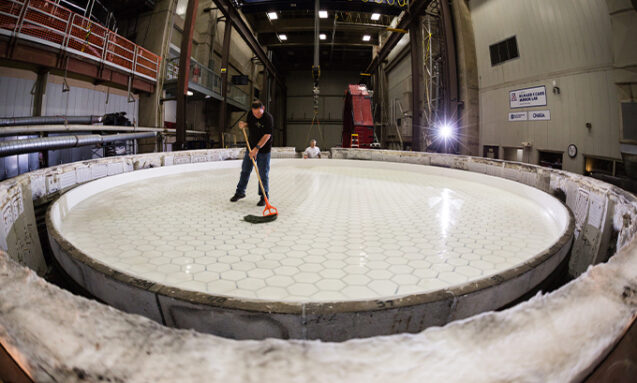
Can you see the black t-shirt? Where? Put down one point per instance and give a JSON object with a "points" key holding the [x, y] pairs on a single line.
{"points": [[257, 127]]}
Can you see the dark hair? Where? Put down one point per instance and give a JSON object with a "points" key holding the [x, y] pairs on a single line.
{"points": [[257, 104]]}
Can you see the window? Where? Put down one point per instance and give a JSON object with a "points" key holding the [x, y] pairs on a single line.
{"points": [[550, 159], [504, 51], [600, 165], [491, 151]]}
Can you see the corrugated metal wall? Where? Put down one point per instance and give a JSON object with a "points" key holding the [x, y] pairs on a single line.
{"points": [[17, 98], [399, 90], [15, 94], [566, 43], [86, 101], [300, 107]]}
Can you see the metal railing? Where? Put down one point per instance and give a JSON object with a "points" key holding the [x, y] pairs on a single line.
{"points": [[51, 24], [204, 76], [199, 74]]}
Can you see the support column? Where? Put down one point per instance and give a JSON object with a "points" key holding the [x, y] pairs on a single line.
{"points": [[469, 95], [151, 112], [450, 66], [284, 97], [184, 72], [39, 96], [225, 58], [416, 40], [265, 88]]}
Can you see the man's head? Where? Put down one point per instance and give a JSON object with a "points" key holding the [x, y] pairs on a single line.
{"points": [[257, 108], [312, 143]]}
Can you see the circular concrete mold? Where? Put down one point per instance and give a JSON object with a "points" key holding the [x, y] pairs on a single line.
{"points": [[360, 248]]}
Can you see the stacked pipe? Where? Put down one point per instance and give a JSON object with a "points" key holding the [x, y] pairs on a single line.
{"points": [[50, 120], [30, 145]]}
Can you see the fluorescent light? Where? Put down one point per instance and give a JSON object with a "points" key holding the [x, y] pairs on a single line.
{"points": [[323, 14], [367, 38], [322, 36], [272, 16], [375, 16], [283, 37], [189, 93]]}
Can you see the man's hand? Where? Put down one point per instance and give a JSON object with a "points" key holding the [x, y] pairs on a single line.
{"points": [[253, 153], [243, 124]]}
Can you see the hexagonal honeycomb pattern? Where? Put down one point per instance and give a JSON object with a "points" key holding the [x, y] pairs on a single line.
{"points": [[343, 233]]}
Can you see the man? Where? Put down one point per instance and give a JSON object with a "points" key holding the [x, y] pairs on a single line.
{"points": [[312, 151], [260, 125]]}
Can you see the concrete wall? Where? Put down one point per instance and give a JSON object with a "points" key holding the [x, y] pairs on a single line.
{"points": [[399, 92], [561, 43], [300, 108]]}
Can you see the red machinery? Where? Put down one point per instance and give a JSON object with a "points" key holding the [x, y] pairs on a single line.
{"points": [[358, 123]]}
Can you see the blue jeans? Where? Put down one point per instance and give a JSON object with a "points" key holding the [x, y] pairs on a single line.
{"points": [[263, 164]]}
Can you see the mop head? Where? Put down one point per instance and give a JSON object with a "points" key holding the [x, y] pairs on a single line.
{"points": [[260, 219]]}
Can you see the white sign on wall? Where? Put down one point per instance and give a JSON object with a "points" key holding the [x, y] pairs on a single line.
{"points": [[523, 98], [540, 115], [517, 116]]}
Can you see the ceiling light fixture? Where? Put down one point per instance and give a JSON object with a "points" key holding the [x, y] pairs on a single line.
{"points": [[367, 38], [272, 16], [189, 93], [375, 16], [323, 14], [283, 37], [322, 36]]}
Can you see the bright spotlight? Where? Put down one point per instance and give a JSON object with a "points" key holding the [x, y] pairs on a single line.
{"points": [[189, 93], [445, 131], [283, 37], [367, 38], [322, 36], [323, 14], [273, 15], [375, 16]]}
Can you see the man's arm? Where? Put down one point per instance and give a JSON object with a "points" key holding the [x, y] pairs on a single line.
{"points": [[262, 141]]}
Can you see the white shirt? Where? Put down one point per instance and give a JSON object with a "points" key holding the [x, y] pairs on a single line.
{"points": [[312, 152]]}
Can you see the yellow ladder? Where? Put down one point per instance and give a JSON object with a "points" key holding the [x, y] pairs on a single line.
{"points": [[354, 141]]}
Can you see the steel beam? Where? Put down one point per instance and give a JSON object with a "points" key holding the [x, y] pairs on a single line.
{"points": [[450, 64], [417, 39], [416, 8], [232, 14], [39, 97], [184, 72], [306, 25], [225, 59]]}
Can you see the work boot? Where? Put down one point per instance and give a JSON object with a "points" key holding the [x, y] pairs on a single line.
{"points": [[261, 202], [237, 197]]}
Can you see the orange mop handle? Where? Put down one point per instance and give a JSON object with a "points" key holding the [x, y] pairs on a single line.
{"points": [[269, 209]]}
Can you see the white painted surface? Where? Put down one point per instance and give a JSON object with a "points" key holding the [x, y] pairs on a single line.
{"points": [[566, 44], [347, 230], [16, 99]]}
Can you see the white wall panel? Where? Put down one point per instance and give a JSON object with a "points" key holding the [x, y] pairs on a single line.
{"points": [[16, 99], [83, 101], [553, 36], [399, 88], [567, 42]]}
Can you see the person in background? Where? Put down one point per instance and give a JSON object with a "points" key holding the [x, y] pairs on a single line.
{"points": [[312, 151], [260, 126]]}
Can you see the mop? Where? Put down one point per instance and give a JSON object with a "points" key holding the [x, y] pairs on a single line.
{"points": [[270, 212]]}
